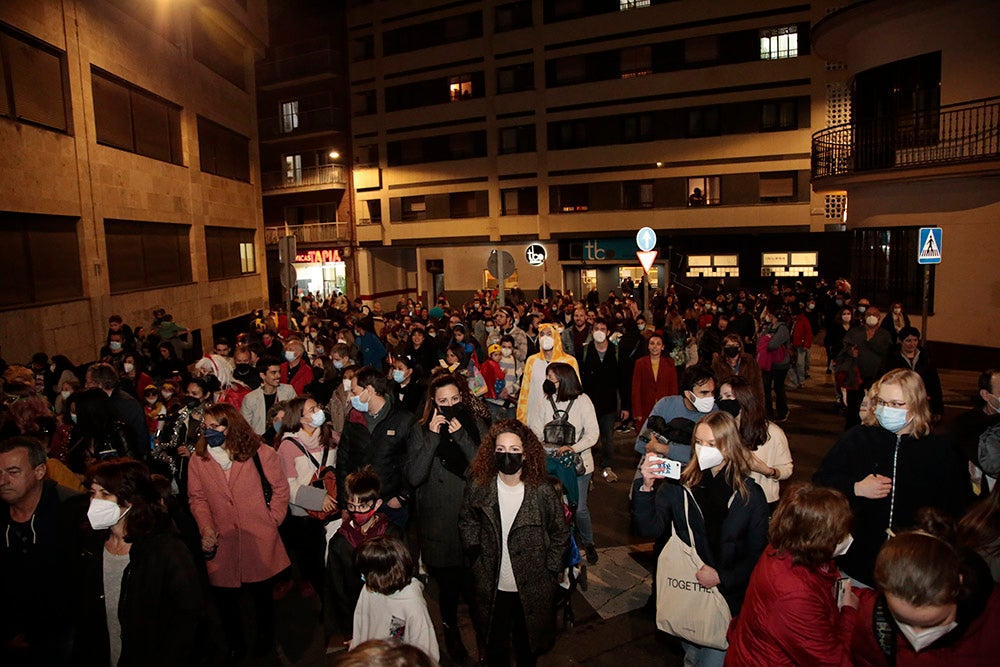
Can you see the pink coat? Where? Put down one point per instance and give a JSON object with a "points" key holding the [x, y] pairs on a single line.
{"points": [[249, 546]]}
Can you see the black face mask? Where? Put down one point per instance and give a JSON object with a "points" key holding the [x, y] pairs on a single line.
{"points": [[549, 387], [243, 369], [508, 463], [450, 411], [730, 405], [732, 352]]}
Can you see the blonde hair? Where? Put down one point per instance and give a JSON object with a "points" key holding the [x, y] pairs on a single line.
{"points": [[917, 405], [727, 441]]}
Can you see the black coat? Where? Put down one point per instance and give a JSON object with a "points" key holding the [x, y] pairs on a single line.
{"points": [[929, 473], [384, 448], [743, 535], [537, 542], [927, 371], [604, 381]]}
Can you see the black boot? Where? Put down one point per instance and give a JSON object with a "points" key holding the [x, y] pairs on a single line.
{"points": [[453, 642]]}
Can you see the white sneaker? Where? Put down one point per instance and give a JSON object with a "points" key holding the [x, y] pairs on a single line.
{"points": [[609, 475]]}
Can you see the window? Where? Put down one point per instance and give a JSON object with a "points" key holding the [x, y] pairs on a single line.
{"points": [[571, 198], [433, 33], [513, 16], [460, 88], [519, 139], [223, 152], [637, 128], [701, 50], [703, 191], [637, 194], [129, 118], [882, 266], [519, 201], [777, 186], [516, 78], [217, 50], [778, 43], [636, 61], [703, 122], [468, 204], [42, 259], [289, 116], [414, 208], [779, 115], [625, 5], [144, 255], [293, 169], [230, 252], [366, 155], [374, 208], [569, 70], [363, 48], [363, 103], [32, 87]]}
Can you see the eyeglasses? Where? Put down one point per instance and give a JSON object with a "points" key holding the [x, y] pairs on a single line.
{"points": [[363, 507], [892, 404]]}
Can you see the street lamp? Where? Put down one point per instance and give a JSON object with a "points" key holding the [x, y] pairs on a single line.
{"points": [[334, 155]]}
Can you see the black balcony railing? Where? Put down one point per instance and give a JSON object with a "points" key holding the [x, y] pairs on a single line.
{"points": [[303, 122], [965, 132]]}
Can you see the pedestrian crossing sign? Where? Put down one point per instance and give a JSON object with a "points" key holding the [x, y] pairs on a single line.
{"points": [[929, 249]]}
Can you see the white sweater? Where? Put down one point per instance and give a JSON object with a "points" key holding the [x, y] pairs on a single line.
{"points": [[402, 616], [582, 416]]}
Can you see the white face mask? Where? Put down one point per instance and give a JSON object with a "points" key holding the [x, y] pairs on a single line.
{"points": [[844, 545], [128, 367], [708, 457], [871, 320], [65, 394], [703, 404], [600, 336], [347, 386], [546, 343], [924, 637], [506, 351], [104, 513]]}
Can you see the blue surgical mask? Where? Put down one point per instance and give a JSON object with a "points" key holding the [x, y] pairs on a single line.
{"points": [[891, 419], [277, 425], [399, 376], [214, 438], [290, 356], [338, 364], [358, 404], [318, 418]]}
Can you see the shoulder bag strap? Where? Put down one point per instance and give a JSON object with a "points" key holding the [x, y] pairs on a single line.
{"points": [[304, 451], [884, 630], [264, 484]]}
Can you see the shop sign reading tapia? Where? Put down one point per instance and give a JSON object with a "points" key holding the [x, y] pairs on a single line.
{"points": [[318, 256]]}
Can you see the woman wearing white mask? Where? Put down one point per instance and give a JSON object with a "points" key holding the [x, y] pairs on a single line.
{"points": [[308, 451], [229, 477], [790, 615], [937, 604], [890, 466], [728, 524], [139, 578]]}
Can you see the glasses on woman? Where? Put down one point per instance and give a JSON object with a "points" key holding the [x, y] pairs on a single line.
{"points": [[889, 404]]}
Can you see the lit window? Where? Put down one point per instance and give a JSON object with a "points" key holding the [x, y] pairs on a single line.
{"points": [[624, 5], [247, 262], [293, 169], [636, 61], [703, 191], [289, 116], [460, 88], [779, 43]]}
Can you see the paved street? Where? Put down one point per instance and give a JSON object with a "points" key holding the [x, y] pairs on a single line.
{"points": [[611, 627]]}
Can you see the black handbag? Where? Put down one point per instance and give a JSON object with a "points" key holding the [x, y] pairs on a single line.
{"points": [[264, 484], [561, 433]]}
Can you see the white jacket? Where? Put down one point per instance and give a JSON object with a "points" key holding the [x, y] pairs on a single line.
{"points": [[402, 615], [254, 409]]}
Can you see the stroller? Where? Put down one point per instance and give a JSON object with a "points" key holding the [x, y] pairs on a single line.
{"points": [[574, 568]]}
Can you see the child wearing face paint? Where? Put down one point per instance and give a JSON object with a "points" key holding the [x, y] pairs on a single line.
{"points": [[729, 524], [790, 614], [936, 604], [361, 522], [514, 535], [891, 466]]}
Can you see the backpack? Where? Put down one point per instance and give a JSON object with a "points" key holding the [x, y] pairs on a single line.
{"points": [[559, 432]]}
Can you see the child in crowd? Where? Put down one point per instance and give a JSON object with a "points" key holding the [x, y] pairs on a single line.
{"points": [[362, 522], [391, 604]]}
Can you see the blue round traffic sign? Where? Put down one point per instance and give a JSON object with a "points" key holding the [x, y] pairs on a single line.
{"points": [[646, 239]]}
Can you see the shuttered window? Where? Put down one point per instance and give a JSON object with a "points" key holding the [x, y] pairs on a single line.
{"points": [[144, 255], [41, 259], [230, 252], [135, 120], [223, 152], [34, 82]]}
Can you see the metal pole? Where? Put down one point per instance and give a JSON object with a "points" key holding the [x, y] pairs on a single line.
{"points": [[646, 312], [500, 280], [545, 263], [926, 305]]}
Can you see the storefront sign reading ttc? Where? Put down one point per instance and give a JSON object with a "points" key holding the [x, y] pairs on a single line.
{"points": [[318, 256]]}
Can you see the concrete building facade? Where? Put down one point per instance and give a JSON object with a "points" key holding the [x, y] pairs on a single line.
{"points": [[129, 168], [495, 124]]}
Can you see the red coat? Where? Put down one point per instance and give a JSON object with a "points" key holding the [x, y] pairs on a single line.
{"points": [[802, 333], [249, 546], [978, 645], [790, 617], [646, 391], [302, 377]]}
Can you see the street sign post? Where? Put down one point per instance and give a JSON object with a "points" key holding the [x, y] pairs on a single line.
{"points": [[928, 252], [645, 238], [501, 265]]}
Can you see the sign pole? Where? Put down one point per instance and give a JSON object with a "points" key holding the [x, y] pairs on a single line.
{"points": [[926, 304], [500, 279]]}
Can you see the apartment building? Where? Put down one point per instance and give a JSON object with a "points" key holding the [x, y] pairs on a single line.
{"points": [[495, 124], [128, 137], [922, 149], [305, 146]]}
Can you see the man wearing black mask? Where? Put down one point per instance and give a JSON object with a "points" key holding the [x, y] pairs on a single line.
{"points": [[244, 372]]}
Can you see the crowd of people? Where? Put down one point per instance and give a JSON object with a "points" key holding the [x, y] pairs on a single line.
{"points": [[355, 454]]}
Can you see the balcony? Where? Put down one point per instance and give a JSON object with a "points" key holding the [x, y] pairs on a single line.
{"points": [[304, 180], [297, 61], [957, 134], [329, 119], [320, 232]]}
